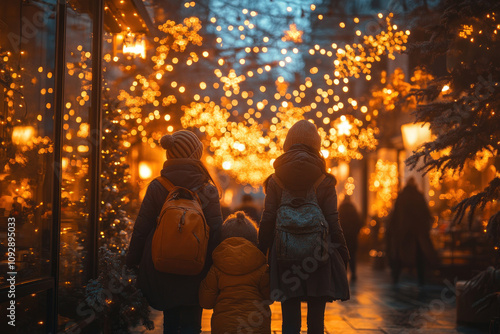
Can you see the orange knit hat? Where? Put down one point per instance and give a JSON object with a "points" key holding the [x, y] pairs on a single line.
{"points": [[303, 132]]}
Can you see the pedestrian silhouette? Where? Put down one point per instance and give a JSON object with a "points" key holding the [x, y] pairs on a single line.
{"points": [[225, 210], [351, 223], [408, 233], [248, 206]]}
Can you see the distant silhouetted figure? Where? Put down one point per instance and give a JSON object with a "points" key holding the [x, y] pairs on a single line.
{"points": [[225, 210], [351, 225], [408, 233], [248, 206]]}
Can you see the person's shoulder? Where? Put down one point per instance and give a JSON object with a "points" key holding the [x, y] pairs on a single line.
{"points": [[270, 183], [267, 180], [329, 181], [155, 186], [209, 190]]}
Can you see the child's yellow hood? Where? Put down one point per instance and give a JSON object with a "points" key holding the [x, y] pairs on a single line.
{"points": [[238, 256]]}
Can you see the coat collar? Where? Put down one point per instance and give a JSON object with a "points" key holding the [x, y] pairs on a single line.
{"points": [[186, 173], [299, 168]]}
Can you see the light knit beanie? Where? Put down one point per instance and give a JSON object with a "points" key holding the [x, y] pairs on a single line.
{"points": [[303, 132], [182, 144]]}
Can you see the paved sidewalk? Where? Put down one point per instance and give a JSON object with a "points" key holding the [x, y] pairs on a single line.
{"points": [[376, 306]]}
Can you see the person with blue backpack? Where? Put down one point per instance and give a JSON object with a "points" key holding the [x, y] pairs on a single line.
{"points": [[301, 233]]}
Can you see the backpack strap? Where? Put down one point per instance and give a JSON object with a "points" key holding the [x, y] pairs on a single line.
{"points": [[318, 182], [166, 183], [278, 181]]}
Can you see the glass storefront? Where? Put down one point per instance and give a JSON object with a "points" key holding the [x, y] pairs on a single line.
{"points": [[50, 137], [27, 169], [75, 186], [26, 158], [46, 118]]}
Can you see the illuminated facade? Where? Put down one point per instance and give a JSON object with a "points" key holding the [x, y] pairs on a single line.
{"points": [[51, 91]]}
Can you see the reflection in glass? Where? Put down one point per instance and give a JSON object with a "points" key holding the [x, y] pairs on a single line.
{"points": [[31, 314], [27, 53]]}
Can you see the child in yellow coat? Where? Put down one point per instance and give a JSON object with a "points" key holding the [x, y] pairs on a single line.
{"points": [[237, 285]]}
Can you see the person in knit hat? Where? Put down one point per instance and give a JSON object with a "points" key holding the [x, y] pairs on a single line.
{"points": [[237, 285], [175, 295], [303, 132], [299, 170], [240, 225], [182, 144]]}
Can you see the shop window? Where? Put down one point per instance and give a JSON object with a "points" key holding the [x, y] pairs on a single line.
{"points": [[27, 54], [76, 147], [30, 314]]}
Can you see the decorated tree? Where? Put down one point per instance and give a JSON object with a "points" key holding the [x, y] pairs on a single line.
{"points": [[126, 307], [117, 193], [118, 304], [462, 104]]}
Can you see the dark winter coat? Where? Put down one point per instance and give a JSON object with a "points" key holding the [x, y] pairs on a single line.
{"points": [[164, 290], [298, 170], [351, 224], [409, 225]]}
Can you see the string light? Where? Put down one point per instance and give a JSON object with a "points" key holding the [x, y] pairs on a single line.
{"points": [[293, 34], [384, 183], [357, 59]]}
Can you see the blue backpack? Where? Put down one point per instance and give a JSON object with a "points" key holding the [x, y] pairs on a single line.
{"points": [[301, 228]]}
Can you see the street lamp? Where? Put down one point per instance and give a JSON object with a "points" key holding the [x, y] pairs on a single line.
{"points": [[145, 171], [22, 134], [134, 45], [130, 44], [415, 134]]}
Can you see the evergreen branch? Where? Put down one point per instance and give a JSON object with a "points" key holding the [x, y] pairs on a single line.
{"points": [[466, 126], [478, 201], [464, 119], [493, 229]]}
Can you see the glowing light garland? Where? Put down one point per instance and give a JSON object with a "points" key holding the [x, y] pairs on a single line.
{"points": [[19, 143], [233, 131], [354, 60], [231, 123], [207, 117], [384, 183], [293, 35], [236, 146], [346, 137], [245, 152]]}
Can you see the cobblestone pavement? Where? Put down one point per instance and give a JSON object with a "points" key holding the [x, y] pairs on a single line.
{"points": [[376, 306]]}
